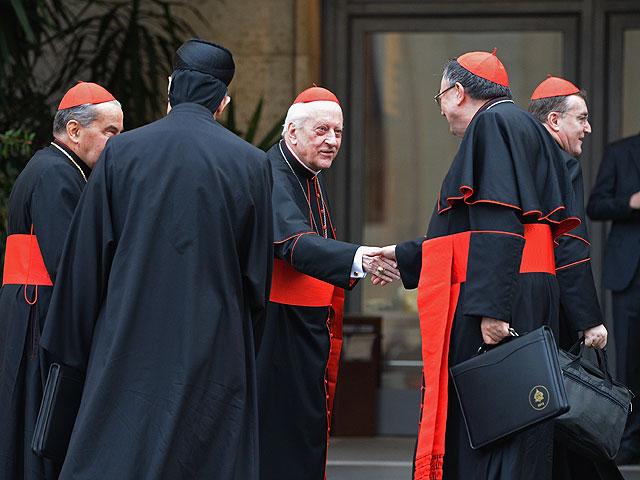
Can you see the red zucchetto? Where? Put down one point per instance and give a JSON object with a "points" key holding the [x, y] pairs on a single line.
{"points": [[554, 87], [84, 93], [316, 94], [485, 65]]}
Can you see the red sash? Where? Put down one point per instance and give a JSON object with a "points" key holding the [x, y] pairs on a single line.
{"points": [[23, 263], [444, 268]]}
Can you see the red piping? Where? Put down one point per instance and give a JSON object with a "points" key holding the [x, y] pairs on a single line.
{"points": [[574, 263]]}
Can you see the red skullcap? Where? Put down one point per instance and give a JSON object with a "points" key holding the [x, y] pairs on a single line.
{"points": [[315, 94], [485, 65], [554, 87], [83, 93]]}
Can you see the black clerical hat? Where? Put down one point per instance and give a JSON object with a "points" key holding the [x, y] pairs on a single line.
{"points": [[205, 57]]}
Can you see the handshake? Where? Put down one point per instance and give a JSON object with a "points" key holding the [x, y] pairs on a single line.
{"points": [[380, 263]]}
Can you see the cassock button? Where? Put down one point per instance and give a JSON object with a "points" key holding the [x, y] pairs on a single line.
{"points": [[318, 195]]}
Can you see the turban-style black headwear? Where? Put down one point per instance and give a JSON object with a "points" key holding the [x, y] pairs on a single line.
{"points": [[202, 72]]}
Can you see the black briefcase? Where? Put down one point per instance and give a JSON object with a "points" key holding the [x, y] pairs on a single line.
{"points": [[599, 405], [58, 410], [511, 387]]}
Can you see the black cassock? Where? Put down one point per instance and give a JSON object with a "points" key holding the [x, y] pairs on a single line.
{"points": [[44, 196], [166, 268], [296, 371], [507, 187], [579, 310], [579, 306]]}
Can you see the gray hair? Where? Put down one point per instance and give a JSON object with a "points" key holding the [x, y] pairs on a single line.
{"points": [[85, 115], [542, 107], [476, 87]]}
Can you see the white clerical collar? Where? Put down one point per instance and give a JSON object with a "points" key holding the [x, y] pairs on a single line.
{"points": [[300, 161]]}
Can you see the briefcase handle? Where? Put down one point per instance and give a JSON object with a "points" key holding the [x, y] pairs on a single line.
{"points": [[577, 349], [485, 347]]}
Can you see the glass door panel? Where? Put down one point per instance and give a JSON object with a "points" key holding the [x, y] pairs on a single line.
{"points": [[408, 149]]}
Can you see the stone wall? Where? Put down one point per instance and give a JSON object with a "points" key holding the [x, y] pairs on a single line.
{"points": [[276, 48]]}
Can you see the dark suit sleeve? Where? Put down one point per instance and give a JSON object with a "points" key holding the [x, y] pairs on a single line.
{"points": [[605, 202], [578, 297], [495, 254], [409, 257]]}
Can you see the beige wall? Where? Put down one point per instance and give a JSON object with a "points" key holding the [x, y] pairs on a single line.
{"points": [[276, 48]]}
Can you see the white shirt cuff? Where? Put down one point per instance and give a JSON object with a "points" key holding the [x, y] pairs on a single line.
{"points": [[356, 268]]}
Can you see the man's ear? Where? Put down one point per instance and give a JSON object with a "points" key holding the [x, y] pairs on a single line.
{"points": [[460, 93], [291, 133], [225, 101], [552, 121], [73, 131]]}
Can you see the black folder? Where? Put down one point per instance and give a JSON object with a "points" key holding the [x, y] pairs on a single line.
{"points": [[514, 386], [58, 410]]}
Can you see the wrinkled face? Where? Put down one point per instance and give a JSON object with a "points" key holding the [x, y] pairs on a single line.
{"points": [[92, 139], [573, 125], [449, 109], [317, 140]]}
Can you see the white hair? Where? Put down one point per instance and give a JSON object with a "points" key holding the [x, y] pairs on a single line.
{"points": [[298, 113]]}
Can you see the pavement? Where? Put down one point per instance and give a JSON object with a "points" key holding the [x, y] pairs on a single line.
{"points": [[388, 458]]}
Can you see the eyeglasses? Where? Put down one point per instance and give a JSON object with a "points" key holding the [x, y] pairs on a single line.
{"points": [[582, 119], [438, 97]]}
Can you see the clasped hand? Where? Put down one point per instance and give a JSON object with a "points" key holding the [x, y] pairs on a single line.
{"points": [[381, 264]]}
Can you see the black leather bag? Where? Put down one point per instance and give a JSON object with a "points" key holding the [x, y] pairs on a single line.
{"points": [[58, 410], [599, 405], [511, 387]]}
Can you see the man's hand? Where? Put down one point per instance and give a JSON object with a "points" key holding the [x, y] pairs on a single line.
{"points": [[387, 253], [634, 201], [382, 269], [493, 330], [596, 337]]}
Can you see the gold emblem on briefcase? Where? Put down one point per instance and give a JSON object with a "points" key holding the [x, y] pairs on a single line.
{"points": [[539, 397]]}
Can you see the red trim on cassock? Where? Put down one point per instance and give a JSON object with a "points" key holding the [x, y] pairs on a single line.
{"points": [[23, 263], [293, 236], [444, 268], [334, 325], [561, 227], [576, 237], [574, 263]]}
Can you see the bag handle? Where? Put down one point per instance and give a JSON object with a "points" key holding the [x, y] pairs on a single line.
{"points": [[577, 349], [485, 347]]}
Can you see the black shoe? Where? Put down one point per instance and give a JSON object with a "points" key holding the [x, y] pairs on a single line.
{"points": [[627, 457]]}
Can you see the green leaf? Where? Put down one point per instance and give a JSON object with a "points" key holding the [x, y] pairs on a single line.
{"points": [[253, 123], [272, 136], [23, 19]]}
